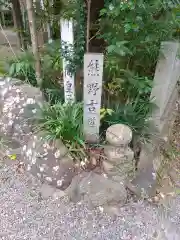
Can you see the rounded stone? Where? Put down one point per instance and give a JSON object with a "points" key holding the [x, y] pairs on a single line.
{"points": [[119, 135]]}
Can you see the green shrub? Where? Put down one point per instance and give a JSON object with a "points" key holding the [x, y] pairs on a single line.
{"points": [[51, 57], [54, 94], [133, 32], [65, 122], [135, 114], [127, 87], [23, 67]]}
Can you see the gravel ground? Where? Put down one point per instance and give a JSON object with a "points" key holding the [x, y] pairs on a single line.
{"points": [[25, 215]]}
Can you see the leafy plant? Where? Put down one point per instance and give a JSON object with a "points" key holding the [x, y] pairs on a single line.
{"points": [[65, 122], [52, 54], [135, 114], [54, 94], [52, 66], [23, 67], [133, 32], [128, 86]]}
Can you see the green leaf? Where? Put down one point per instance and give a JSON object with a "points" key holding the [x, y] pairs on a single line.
{"points": [[111, 48], [19, 67], [127, 27], [103, 11], [12, 70]]}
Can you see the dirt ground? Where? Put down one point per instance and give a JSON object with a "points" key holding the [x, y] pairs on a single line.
{"points": [[170, 182], [174, 171]]}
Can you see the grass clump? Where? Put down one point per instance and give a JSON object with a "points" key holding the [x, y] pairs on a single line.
{"points": [[65, 122]]}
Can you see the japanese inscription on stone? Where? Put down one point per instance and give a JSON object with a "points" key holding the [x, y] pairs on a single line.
{"points": [[67, 37], [93, 73]]}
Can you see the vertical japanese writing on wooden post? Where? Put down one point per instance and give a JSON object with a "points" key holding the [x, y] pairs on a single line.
{"points": [[93, 73], [68, 77]]}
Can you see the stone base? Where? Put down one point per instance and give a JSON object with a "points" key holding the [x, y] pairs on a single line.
{"points": [[96, 190]]}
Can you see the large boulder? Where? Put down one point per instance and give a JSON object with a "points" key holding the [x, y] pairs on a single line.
{"points": [[18, 106], [49, 161], [46, 160]]}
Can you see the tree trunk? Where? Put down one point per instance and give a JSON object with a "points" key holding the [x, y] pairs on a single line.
{"points": [[18, 23], [39, 25], [32, 27]]}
